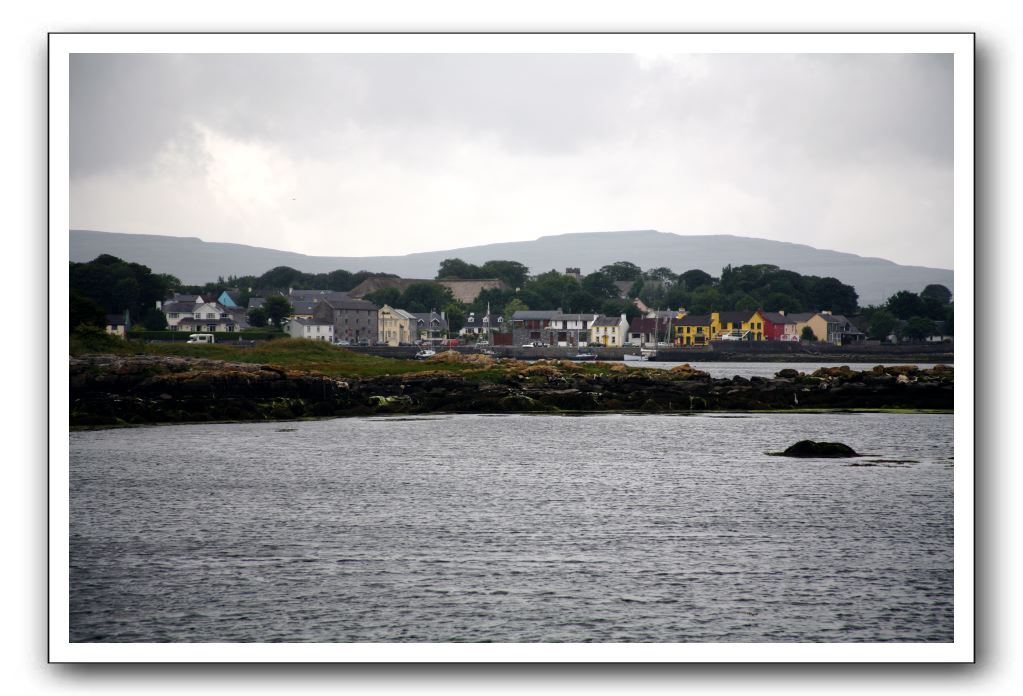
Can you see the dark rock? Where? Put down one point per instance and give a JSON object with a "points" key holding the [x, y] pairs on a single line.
{"points": [[809, 448]]}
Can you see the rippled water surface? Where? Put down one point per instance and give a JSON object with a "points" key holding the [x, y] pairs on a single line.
{"points": [[514, 528]]}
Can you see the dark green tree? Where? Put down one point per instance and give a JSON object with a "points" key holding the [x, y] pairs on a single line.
{"points": [[425, 297], [695, 278], [454, 312], [939, 293], [385, 296], [919, 328], [258, 317], [457, 268], [85, 310], [512, 273], [155, 321], [905, 304], [600, 286], [277, 309], [807, 334], [882, 324], [622, 270]]}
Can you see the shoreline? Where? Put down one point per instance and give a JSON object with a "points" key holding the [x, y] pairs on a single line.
{"points": [[109, 390]]}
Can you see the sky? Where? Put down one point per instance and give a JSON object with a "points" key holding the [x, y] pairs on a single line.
{"points": [[381, 154]]}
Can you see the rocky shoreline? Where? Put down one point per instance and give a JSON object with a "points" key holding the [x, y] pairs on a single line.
{"points": [[108, 390]]}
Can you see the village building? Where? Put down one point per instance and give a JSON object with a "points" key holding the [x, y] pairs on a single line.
{"points": [[312, 329], [480, 326], [743, 325], [779, 327], [693, 330], [395, 327], [609, 331], [529, 326], [569, 329], [834, 329], [354, 320], [650, 331], [430, 326], [118, 324]]}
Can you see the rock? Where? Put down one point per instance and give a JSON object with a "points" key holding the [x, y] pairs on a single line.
{"points": [[787, 373], [809, 448]]}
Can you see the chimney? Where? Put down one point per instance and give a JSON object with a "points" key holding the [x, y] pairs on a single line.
{"points": [[159, 305], [826, 312], [781, 312]]}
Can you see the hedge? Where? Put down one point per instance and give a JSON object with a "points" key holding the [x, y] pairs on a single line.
{"points": [[219, 336]]}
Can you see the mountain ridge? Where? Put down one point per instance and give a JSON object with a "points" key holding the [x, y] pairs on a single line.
{"points": [[195, 261]]}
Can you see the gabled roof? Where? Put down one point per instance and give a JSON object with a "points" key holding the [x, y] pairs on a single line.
{"points": [[573, 317], [529, 314], [186, 307], [312, 295], [255, 302], [343, 303], [115, 320], [606, 321], [430, 318], [801, 316], [777, 317], [302, 306], [648, 325], [306, 321], [737, 316], [694, 320]]}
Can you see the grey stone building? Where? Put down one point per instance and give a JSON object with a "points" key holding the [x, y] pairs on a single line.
{"points": [[354, 320]]}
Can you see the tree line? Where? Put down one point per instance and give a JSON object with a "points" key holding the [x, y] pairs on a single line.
{"points": [[109, 285]]}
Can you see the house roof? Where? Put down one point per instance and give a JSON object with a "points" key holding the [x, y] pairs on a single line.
{"points": [[777, 318], [425, 318], [848, 326], [484, 319], [606, 321], [255, 302], [115, 320], [306, 321], [801, 316], [736, 317], [347, 302], [184, 298], [573, 317], [302, 306], [694, 320], [528, 314], [648, 324], [187, 307], [313, 295]]}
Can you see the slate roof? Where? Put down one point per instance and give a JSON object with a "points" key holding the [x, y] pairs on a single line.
{"points": [[115, 320], [427, 318], [648, 325], [255, 302], [349, 303], [778, 318], [180, 307], [305, 321], [801, 316], [312, 295], [735, 317], [606, 321], [694, 320], [530, 314]]}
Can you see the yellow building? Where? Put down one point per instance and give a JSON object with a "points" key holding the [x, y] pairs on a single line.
{"points": [[395, 326], [742, 325], [693, 330]]}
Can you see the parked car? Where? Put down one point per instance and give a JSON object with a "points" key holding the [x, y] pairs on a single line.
{"points": [[342, 342], [536, 344], [363, 342]]}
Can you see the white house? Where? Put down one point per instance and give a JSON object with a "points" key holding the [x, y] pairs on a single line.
{"points": [[609, 331], [570, 329], [313, 329]]}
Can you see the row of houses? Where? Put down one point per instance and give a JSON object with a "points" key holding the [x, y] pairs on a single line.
{"points": [[678, 328]]}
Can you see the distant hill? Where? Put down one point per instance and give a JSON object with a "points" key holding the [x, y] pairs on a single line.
{"points": [[195, 261]]}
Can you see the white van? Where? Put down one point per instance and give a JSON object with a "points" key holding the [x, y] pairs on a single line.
{"points": [[200, 338]]}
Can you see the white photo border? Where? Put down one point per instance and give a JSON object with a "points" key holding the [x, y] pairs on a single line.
{"points": [[62, 45]]}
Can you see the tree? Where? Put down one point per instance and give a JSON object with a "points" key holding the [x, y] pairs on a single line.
{"points": [[807, 334], [663, 274], [919, 328], [695, 278], [623, 270], [258, 317], [155, 320], [600, 286], [511, 272], [84, 310], [277, 309], [882, 325], [455, 314], [425, 297], [904, 304], [457, 268], [515, 305], [384, 296], [280, 278], [939, 293], [704, 300]]}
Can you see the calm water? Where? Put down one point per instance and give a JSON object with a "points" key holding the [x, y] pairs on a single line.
{"points": [[615, 528], [764, 369]]}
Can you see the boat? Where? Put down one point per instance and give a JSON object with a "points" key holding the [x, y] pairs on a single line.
{"points": [[425, 353], [583, 356]]}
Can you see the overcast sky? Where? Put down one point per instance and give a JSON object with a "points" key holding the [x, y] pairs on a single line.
{"points": [[355, 155]]}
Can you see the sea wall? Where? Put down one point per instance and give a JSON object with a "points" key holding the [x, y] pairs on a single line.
{"points": [[112, 390]]}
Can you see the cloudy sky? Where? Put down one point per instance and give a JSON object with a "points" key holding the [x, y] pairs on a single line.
{"points": [[352, 155]]}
